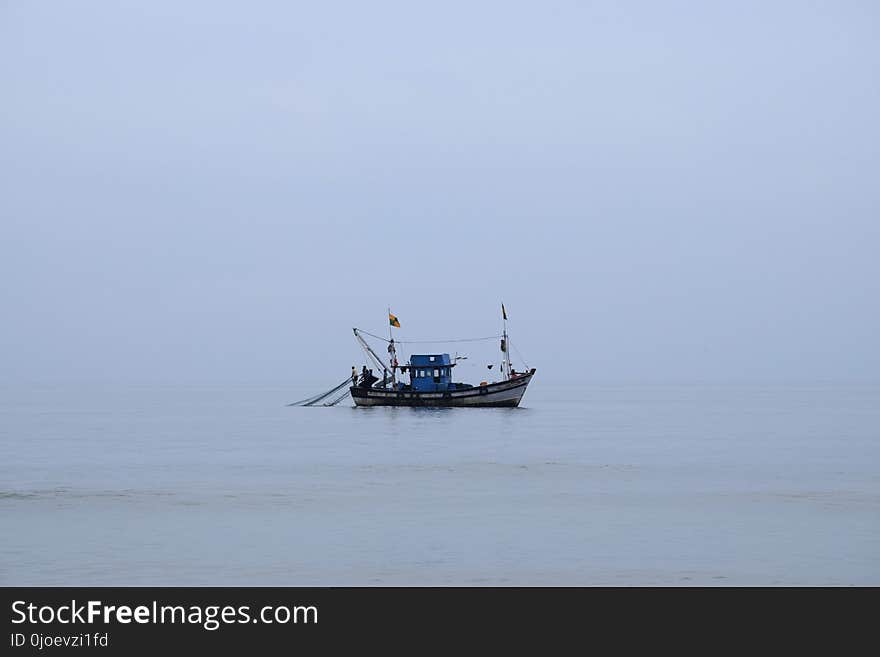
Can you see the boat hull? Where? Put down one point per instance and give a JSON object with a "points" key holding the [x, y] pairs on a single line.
{"points": [[494, 395]]}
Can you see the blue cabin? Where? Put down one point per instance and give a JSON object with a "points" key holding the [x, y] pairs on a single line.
{"points": [[431, 372]]}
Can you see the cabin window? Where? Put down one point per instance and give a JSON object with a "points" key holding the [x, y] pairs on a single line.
{"points": [[431, 358], [436, 372]]}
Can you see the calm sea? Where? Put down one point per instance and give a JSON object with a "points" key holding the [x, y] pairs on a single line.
{"points": [[149, 485]]}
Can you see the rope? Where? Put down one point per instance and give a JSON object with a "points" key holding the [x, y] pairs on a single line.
{"points": [[489, 337], [310, 401], [337, 400]]}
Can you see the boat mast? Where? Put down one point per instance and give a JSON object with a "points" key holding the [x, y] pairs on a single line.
{"points": [[392, 350], [505, 346]]}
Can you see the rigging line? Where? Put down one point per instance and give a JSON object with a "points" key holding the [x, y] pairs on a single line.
{"points": [[488, 337], [378, 337], [520, 355]]}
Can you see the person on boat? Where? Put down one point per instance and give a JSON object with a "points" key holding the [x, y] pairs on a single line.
{"points": [[363, 374], [354, 376], [369, 378]]}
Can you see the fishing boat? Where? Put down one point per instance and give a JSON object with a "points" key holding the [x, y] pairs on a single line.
{"points": [[424, 379]]}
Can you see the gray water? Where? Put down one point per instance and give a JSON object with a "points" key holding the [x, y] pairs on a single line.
{"points": [[628, 485]]}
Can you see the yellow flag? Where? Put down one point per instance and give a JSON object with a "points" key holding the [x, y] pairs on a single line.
{"points": [[393, 320]]}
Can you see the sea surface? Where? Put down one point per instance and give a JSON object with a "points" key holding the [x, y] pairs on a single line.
{"points": [[583, 485]]}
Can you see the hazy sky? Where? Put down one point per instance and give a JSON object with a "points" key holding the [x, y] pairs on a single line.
{"points": [[658, 191]]}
